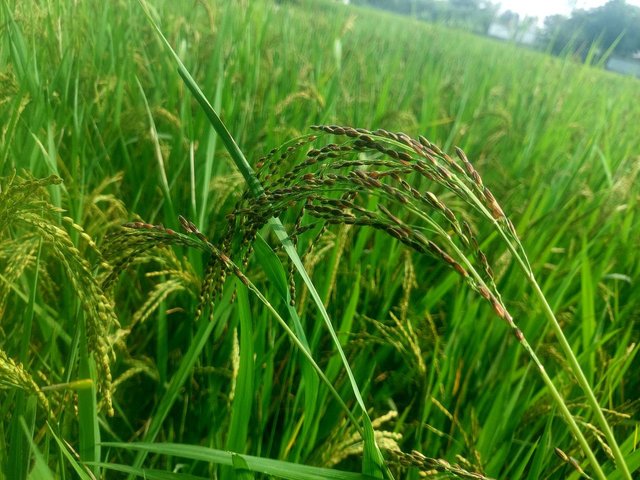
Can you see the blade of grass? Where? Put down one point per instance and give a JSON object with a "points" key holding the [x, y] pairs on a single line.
{"points": [[21, 60], [633, 461], [89, 429], [40, 470], [277, 468], [153, 132], [212, 143], [149, 473], [241, 468], [588, 311], [244, 391], [278, 278], [77, 467]]}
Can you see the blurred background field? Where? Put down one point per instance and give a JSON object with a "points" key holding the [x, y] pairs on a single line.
{"points": [[88, 93]]}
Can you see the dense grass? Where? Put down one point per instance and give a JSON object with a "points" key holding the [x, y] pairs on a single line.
{"points": [[91, 95]]}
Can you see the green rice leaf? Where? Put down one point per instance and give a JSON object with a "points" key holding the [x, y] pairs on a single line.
{"points": [[267, 466]]}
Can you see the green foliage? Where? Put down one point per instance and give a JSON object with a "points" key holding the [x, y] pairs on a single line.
{"points": [[614, 25], [472, 15], [91, 97]]}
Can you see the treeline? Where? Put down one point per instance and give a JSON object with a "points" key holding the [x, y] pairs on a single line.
{"points": [[613, 27], [474, 15]]}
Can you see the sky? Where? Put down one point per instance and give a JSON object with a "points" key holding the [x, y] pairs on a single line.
{"points": [[543, 8]]}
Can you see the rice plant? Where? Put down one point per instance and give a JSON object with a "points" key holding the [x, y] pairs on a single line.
{"points": [[325, 186], [160, 320]]}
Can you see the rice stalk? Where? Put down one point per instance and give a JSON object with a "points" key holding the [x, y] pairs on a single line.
{"points": [[25, 213], [131, 241], [387, 165], [327, 185], [13, 375]]}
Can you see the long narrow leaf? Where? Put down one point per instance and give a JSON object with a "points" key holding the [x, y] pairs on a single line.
{"points": [[277, 468], [77, 467], [40, 470], [244, 392], [149, 473]]}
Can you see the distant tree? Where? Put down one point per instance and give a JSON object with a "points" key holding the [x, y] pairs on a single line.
{"points": [[509, 19], [475, 15], [614, 19], [615, 23]]}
